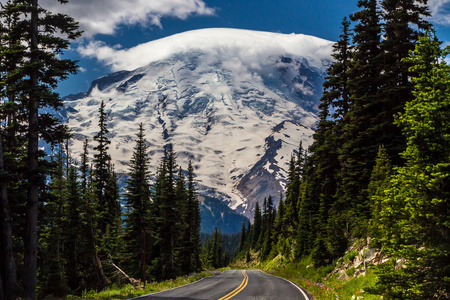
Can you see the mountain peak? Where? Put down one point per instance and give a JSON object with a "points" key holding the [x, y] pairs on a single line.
{"points": [[235, 102], [248, 46]]}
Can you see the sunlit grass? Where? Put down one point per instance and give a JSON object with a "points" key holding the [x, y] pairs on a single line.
{"points": [[313, 280], [316, 280]]}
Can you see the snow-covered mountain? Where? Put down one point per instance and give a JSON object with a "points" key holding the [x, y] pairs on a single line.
{"points": [[235, 102]]}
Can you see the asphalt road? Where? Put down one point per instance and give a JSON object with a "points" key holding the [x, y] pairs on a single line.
{"points": [[234, 284]]}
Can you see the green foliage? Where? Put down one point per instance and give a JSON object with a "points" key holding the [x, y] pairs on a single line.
{"points": [[137, 204], [352, 255], [213, 254], [414, 220], [32, 41], [350, 272], [257, 225]]}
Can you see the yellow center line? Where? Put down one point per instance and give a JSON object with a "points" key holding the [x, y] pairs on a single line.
{"points": [[238, 289]]}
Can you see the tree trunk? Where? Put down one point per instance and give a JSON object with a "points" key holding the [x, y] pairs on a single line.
{"points": [[97, 262], [30, 240], [7, 258], [144, 258], [1, 288]]}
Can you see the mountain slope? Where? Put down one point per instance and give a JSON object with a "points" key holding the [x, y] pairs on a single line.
{"points": [[235, 102]]}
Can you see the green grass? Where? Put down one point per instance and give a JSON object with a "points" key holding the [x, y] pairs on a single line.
{"points": [[129, 291], [351, 256], [314, 280]]}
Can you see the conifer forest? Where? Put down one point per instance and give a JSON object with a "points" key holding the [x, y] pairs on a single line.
{"points": [[378, 169]]}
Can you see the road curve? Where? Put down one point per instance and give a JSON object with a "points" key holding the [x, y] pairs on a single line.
{"points": [[234, 284]]}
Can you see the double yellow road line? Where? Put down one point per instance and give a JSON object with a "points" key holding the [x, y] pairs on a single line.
{"points": [[238, 289]]}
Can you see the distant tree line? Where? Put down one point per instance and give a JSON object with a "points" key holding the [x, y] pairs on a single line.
{"points": [[379, 163]]}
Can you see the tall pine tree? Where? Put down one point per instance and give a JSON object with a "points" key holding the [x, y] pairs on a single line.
{"points": [[37, 39], [102, 161], [137, 204], [360, 148]]}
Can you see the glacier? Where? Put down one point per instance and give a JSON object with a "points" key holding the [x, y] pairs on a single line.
{"points": [[235, 102]]}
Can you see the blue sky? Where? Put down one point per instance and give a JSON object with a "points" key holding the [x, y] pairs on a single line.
{"points": [[110, 25]]}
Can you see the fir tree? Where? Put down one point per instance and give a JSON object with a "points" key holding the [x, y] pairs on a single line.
{"points": [[101, 163], [52, 240], [292, 196], [183, 256], [279, 239], [214, 250], [195, 219], [415, 214], [379, 181], [84, 166], [168, 214], [405, 21], [111, 216], [256, 226], [359, 149], [40, 73], [12, 139], [243, 237], [336, 85], [263, 230], [76, 242], [268, 220], [319, 184], [91, 223], [191, 219], [137, 203]]}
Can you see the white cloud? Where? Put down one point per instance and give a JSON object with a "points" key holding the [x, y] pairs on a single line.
{"points": [[246, 47], [440, 10], [104, 16]]}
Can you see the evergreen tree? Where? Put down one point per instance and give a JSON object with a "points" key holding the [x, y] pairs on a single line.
{"points": [[336, 86], [307, 208], [92, 218], [76, 242], [405, 21], [168, 215], [292, 196], [8, 264], [243, 237], [51, 239], [360, 147], [279, 238], [102, 161], [111, 216], [183, 252], [268, 219], [190, 215], [379, 181], [137, 203], [84, 167], [415, 213], [263, 225], [194, 220], [13, 139], [289, 221], [38, 73], [319, 184], [256, 226], [214, 250]]}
